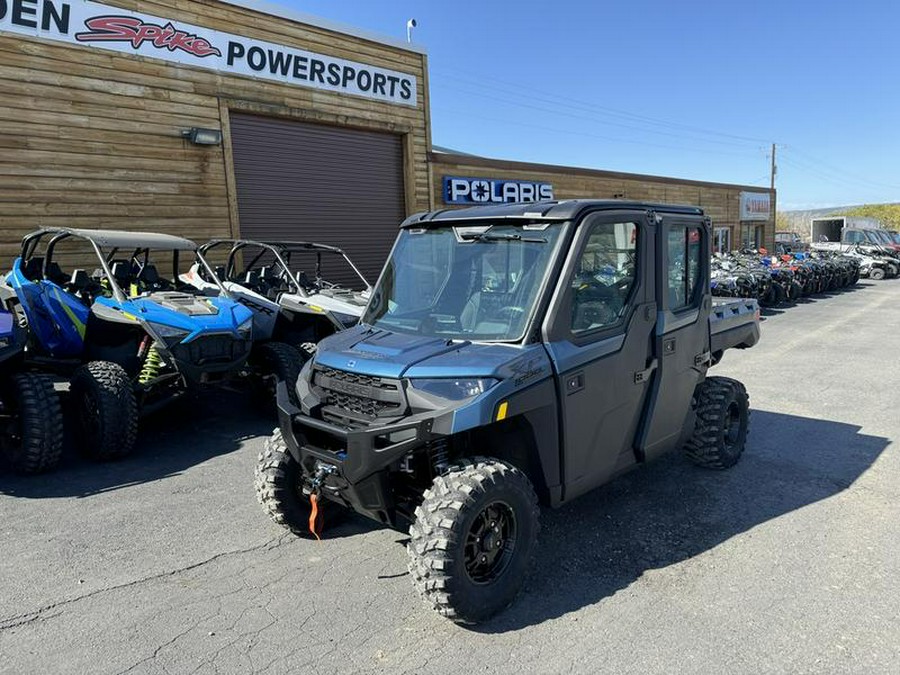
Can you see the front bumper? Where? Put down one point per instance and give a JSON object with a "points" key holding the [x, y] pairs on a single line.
{"points": [[210, 358], [357, 460]]}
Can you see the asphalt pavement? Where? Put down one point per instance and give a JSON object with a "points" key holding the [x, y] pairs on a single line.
{"points": [[790, 562]]}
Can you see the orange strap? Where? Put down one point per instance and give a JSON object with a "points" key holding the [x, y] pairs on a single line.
{"points": [[315, 524]]}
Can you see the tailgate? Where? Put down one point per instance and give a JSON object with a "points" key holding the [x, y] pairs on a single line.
{"points": [[733, 322]]}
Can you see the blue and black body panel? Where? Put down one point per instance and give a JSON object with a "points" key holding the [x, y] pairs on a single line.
{"points": [[394, 417], [57, 320]]}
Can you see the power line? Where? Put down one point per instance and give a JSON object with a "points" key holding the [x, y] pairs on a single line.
{"points": [[588, 134], [534, 94]]}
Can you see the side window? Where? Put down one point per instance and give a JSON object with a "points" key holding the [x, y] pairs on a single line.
{"points": [[683, 274], [604, 277]]}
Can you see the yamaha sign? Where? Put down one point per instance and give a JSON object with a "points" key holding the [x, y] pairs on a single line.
{"points": [[458, 190]]}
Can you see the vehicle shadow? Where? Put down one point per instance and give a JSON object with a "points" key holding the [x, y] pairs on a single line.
{"points": [[184, 434], [672, 511]]}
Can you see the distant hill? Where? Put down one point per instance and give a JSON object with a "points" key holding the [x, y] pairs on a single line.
{"points": [[888, 215]]}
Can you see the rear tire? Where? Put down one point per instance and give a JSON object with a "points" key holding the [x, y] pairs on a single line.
{"points": [[472, 539], [106, 410], [36, 442], [876, 273], [720, 433]]}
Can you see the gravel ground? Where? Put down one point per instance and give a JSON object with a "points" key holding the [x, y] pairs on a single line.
{"points": [[790, 562]]}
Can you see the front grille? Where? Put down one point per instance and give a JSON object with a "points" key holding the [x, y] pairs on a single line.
{"points": [[359, 395], [211, 349]]}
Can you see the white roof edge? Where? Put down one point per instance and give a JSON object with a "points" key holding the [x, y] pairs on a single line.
{"points": [[283, 12]]}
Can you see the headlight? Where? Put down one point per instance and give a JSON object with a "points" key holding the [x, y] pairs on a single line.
{"points": [[453, 389], [168, 332], [245, 330], [346, 320]]}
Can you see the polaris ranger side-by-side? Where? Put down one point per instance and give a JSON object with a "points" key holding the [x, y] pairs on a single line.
{"points": [[510, 354]]}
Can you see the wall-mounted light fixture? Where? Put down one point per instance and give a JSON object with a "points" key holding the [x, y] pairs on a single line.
{"points": [[199, 136]]}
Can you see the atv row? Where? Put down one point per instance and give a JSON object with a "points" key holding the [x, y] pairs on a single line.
{"points": [[776, 280], [134, 321]]}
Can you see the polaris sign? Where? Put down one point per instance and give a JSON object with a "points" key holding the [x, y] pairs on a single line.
{"points": [[459, 190]]}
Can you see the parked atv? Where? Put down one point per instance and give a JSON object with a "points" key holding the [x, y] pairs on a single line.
{"points": [[289, 305], [510, 354], [31, 425], [131, 337]]}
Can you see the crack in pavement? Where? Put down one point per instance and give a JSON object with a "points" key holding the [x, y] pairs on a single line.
{"points": [[19, 620]]}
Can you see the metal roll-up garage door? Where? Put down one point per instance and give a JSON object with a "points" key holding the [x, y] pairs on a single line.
{"points": [[311, 182]]}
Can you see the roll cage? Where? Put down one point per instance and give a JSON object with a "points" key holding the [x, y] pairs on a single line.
{"points": [[282, 252], [139, 243]]}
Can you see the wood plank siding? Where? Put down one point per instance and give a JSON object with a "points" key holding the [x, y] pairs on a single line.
{"points": [[92, 138], [720, 201]]}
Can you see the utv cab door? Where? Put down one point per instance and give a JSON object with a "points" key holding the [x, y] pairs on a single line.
{"points": [[681, 341], [599, 333]]}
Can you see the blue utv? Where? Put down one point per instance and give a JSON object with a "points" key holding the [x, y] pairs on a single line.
{"points": [[31, 427], [132, 336], [510, 354]]}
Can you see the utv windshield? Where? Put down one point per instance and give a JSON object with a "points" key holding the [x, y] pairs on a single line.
{"points": [[477, 282]]}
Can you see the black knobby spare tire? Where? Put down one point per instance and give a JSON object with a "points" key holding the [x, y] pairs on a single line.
{"points": [[106, 410], [723, 414], [36, 440], [472, 539]]}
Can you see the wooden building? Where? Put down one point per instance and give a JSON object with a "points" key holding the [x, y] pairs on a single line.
{"points": [[741, 214], [226, 118], [324, 129]]}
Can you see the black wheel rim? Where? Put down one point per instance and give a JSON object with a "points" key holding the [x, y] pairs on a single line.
{"points": [[490, 543], [89, 416], [732, 425]]}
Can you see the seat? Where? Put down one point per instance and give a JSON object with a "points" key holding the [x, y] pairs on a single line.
{"points": [[34, 269], [251, 279], [121, 271], [78, 281], [56, 275]]}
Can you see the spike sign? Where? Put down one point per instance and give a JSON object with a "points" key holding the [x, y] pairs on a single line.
{"points": [[91, 24]]}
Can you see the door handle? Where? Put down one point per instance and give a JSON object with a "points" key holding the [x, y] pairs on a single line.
{"points": [[642, 376], [574, 383]]}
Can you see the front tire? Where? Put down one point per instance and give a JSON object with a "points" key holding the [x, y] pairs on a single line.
{"points": [[720, 433], [106, 410], [876, 273], [36, 441], [279, 489], [472, 539], [279, 361]]}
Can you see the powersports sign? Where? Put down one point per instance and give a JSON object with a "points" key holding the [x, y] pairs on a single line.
{"points": [[95, 25], [491, 191]]}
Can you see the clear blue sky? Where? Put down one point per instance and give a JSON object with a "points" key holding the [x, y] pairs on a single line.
{"points": [[689, 89]]}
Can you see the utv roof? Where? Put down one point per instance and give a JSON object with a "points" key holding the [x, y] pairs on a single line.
{"points": [[120, 239], [555, 210]]}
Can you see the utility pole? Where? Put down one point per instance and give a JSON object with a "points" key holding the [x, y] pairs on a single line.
{"points": [[774, 168], [773, 205]]}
